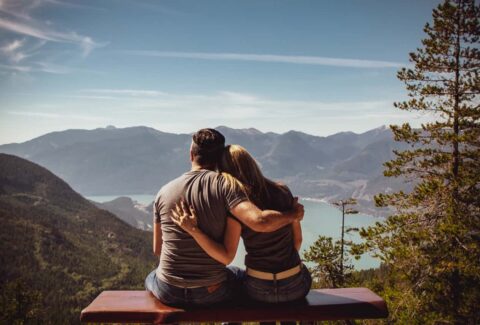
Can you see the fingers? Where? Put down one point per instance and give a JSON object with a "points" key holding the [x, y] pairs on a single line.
{"points": [[175, 213], [178, 214], [184, 215], [192, 211], [184, 206], [193, 216], [179, 207], [176, 218]]}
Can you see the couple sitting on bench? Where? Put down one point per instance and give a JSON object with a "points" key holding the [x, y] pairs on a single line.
{"points": [[199, 218]]}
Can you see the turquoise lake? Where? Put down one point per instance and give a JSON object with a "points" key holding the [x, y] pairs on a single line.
{"points": [[320, 219]]}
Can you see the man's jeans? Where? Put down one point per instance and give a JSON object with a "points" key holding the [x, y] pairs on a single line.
{"points": [[289, 289], [177, 296]]}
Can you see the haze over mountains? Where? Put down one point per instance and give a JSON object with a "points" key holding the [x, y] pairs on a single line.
{"points": [[139, 160]]}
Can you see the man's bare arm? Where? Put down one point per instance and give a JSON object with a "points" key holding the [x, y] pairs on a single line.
{"points": [[266, 220]]}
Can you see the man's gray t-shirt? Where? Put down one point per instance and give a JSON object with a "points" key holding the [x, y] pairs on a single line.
{"points": [[183, 262]]}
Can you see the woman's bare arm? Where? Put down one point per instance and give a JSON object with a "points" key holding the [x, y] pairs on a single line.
{"points": [[223, 253], [157, 239]]}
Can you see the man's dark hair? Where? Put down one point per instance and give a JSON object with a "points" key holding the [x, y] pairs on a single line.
{"points": [[207, 147]]}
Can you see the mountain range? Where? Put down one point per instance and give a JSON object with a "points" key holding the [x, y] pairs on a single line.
{"points": [[58, 250], [139, 160]]}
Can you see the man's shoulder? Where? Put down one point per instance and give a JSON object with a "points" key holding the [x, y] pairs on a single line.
{"points": [[185, 178], [171, 185], [174, 182]]}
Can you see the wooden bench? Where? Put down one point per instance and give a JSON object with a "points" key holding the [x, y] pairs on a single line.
{"points": [[323, 304]]}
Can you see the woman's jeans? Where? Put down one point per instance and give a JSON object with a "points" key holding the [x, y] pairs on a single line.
{"points": [[289, 289], [202, 296]]}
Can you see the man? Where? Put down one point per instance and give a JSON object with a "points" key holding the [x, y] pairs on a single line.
{"points": [[186, 275]]}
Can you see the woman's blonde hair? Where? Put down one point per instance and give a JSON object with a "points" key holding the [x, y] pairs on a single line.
{"points": [[241, 171]]}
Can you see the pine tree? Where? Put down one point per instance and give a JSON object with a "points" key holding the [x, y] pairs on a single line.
{"points": [[432, 242], [328, 268], [331, 262]]}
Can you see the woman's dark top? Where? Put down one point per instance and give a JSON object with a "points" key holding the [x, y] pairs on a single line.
{"points": [[274, 251]]}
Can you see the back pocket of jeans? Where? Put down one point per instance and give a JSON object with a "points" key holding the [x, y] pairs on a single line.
{"points": [[259, 290]]}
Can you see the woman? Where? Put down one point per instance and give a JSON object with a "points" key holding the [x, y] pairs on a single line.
{"points": [[274, 269]]}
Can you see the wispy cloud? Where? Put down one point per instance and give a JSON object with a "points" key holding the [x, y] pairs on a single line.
{"points": [[272, 58], [90, 97], [56, 116], [126, 92], [34, 114], [13, 50], [27, 36], [13, 46], [75, 5], [24, 8], [37, 67], [19, 49], [52, 68], [176, 112], [18, 68], [231, 104], [37, 30]]}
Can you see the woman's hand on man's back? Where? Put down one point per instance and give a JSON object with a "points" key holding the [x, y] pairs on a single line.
{"points": [[185, 217]]}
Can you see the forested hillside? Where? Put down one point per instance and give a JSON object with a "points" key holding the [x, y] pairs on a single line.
{"points": [[59, 250]]}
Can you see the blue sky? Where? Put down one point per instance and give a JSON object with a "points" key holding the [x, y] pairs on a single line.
{"points": [[316, 66]]}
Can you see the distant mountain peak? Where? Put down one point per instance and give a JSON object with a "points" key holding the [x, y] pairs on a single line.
{"points": [[343, 134], [379, 130], [226, 129], [110, 127], [295, 132]]}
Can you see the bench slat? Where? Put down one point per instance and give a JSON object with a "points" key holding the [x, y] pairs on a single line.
{"points": [[321, 304]]}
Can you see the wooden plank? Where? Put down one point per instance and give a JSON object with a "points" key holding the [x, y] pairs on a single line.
{"points": [[321, 304]]}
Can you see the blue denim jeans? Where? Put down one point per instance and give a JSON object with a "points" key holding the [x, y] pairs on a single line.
{"points": [[176, 296], [289, 289]]}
